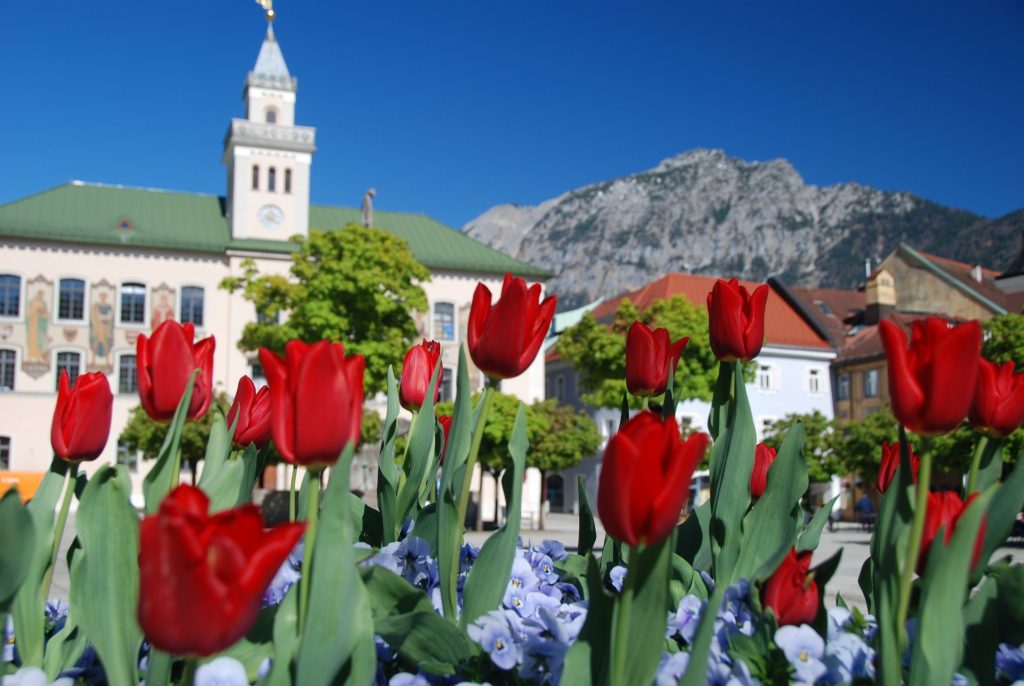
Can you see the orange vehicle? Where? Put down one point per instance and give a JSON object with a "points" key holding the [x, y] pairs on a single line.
{"points": [[26, 482]]}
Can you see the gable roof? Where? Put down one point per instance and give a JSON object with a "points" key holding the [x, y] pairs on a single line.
{"points": [[783, 324], [126, 217], [958, 275]]}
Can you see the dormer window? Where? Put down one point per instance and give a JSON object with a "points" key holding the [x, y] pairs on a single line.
{"points": [[255, 177], [271, 179], [271, 115]]}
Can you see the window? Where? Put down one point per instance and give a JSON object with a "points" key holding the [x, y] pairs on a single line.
{"points": [[271, 115], [127, 457], [271, 179], [68, 362], [871, 383], [765, 425], [192, 305], [843, 386], [133, 303], [287, 180], [814, 381], [560, 387], [447, 390], [255, 177], [7, 369], [444, 322], [256, 370], [127, 374], [5, 453], [264, 318], [766, 378], [686, 421], [10, 295], [71, 301]]}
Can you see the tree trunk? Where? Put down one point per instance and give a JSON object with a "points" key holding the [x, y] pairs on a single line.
{"points": [[543, 497], [497, 503]]}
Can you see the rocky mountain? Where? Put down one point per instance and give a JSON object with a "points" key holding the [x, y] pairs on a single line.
{"points": [[707, 213]]}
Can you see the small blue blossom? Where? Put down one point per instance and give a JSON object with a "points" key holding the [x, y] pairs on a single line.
{"points": [[8, 635], [493, 634], [1010, 662], [686, 618], [848, 657], [617, 576], [544, 567], [803, 647], [522, 576], [553, 549], [223, 671], [672, 669], [407, 679]]}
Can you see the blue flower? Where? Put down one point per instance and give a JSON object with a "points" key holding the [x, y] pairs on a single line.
{"points": [[553, 549], [8, 636], [848, 657], [544, 568], [803, 648], [686, 618], [522, 577], [407, 679], [1010, 662], [617, 576], [223, 671], [672, 668], [493, 634], [838, 617]]}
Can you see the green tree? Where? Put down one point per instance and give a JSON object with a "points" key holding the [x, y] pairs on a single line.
{"points": [[142, 434], [1004, 339], [356, 285], [818, 442], [598, 351]]}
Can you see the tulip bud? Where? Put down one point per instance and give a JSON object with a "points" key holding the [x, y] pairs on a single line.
{"points": [[417, 370], [645, 478], [919, 376], [651, 358], [944, 510], [504, 339], [891, 462], [736, 320], [316, 401], [446, 425], [81, 420], [998, 408], [764, 456], [252, 409], [790, 592], [165, 363]]}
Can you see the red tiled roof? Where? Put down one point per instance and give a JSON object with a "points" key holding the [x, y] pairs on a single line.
{"points": [[865, 343], [956, 264], [783, 325]]}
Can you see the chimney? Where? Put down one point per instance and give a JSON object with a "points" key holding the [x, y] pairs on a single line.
{"points": [[867, 267], [976, 273], [881, 297]]}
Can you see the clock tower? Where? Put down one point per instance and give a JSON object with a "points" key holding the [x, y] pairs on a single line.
{"points": [[268, 157]]}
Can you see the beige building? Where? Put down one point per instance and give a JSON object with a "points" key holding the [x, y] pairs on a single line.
{"points": [[86, 268]]}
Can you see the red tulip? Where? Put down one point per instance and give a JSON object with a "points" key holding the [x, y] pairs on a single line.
{"points": [[504, 338], [764, 456], [203, 578], [165, 362], [944, 509], [651, 357], [252, 408], [790, 593], [736, 320], [417, 370], [316, 401], [891, 462], [998, 407], [81, 420], [922, 377], [446, 425], [645, 478]]}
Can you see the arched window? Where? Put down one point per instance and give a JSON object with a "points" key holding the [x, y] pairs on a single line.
{"points": [[255, 177], [71, 300], [271, 115], [133, 303], [271, 179], [10, 295], [287, 180]]}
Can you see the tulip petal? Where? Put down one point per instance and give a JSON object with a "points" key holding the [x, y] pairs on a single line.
{"points": [[905, 392]]}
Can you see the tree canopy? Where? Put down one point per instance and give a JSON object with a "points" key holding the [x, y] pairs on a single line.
{"points": [[355, 285], [819, 444], [598, 351], [1004, 339]]}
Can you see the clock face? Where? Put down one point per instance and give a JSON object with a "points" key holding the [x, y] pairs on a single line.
{"points": [[271, 216]]}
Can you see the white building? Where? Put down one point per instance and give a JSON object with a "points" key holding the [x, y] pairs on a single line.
{"points": [[86, 268], [792, 374]]}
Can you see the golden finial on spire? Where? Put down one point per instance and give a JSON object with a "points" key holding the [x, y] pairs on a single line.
{"points": [[267, 5]]}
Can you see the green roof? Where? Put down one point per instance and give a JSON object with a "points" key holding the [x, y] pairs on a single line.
{"points": [[146, 218]]}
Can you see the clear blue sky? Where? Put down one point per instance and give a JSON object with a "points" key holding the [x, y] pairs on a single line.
{"points": [[448, 108]]}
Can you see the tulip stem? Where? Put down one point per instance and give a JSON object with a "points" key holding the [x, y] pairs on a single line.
{"points": [[312, 516], [62, 518], [189, 675], [924, 478], [645, 403], [620, 622], [291, 494], [972, 478], [474, 451]]}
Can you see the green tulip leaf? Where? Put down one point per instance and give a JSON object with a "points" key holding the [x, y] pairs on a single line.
{"points": [[372, 526], [28, 606], [224, 476], [980, 620], [1002, 511], [18, 535], [286, 640], [587, 661], [66, 646], [105, 574], [387, 470], [419, 453], [811, 534], [481, 594], [164, 472], [158, 667], [693, 542], [939, 644], [769, 530], [426, 526], [588, 532], [337, 640], [390, 594], [650, 568], [1010, 585], [423, 638]]}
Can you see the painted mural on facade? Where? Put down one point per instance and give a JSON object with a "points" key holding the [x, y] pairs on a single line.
{"points": [[101, 327], [38, 296], [163, 305]]}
